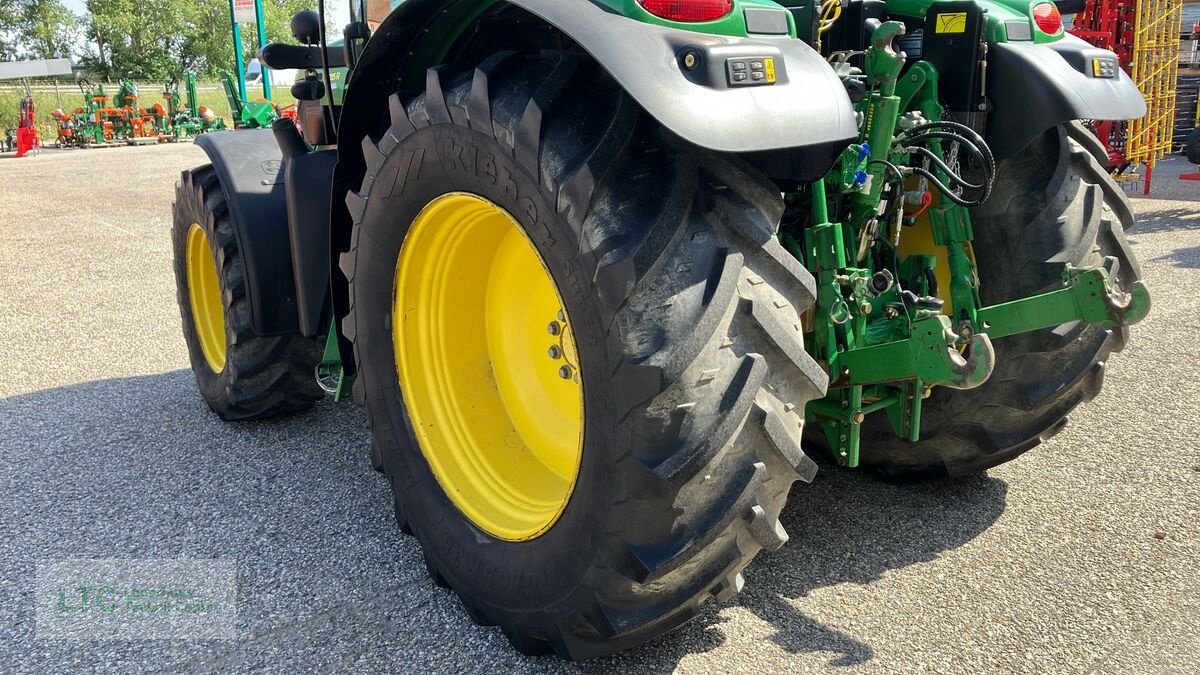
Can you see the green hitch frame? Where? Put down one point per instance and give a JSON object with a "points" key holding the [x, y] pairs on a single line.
{"points": [[882, 360], [1088, 295]]}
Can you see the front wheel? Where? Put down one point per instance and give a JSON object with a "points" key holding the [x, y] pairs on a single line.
{"points": [[579, 347], [240, 375]]}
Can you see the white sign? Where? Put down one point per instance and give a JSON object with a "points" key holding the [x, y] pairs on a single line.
{"points": [[14, 69], [243, 11]]}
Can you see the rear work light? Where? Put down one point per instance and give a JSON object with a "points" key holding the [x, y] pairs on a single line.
{"points": [[1047, 18], [690, 11]]}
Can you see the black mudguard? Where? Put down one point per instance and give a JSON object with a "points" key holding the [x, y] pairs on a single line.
{"points": [[282, 234], [250, 167], [1036, 87], [309, 193], [807, 107]]}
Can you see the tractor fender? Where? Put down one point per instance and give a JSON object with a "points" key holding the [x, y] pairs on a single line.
{"points": [[807, 106], [250, 167], [1035, 87]]}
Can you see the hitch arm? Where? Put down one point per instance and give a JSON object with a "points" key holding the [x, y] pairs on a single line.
{"points": [[929, 355], [1089, 296]]}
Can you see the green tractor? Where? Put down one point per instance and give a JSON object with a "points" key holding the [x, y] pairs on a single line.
{"points": [[607, 275]]}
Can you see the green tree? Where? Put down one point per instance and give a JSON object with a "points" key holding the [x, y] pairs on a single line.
{"points": [[135, 38], [49, 29], [8, 29], [37, 29], [155, 39]]}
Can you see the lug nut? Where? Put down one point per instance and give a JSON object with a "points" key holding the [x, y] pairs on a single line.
{"points": [[555, 352], [565, 372], [554, 328], [562, 316]]}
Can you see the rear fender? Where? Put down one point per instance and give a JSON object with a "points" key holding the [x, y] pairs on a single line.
{"points": [[1037, 87], [806, 108]]}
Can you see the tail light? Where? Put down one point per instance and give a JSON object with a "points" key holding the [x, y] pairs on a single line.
{"points": [[690, 11], [1047, 18]]}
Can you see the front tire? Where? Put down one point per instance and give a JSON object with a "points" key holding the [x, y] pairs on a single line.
{"points": [[684, 310], [240, 375]]}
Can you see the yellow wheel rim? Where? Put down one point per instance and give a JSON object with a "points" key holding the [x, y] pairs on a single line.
{"points": [[488, 367], [204, 289]]}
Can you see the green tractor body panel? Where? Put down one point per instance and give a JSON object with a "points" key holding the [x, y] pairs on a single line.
{"points": [[736, 23], [1006, 19]]}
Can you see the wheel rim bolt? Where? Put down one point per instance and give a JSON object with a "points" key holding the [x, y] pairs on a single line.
{"points": [[565, 372], [554, 328], [555, 352]]}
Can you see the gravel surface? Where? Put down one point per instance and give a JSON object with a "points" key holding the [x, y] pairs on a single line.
{"points": [[1080, 557]]}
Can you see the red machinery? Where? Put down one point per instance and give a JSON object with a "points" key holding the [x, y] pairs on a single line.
{"points": [[1109, 24], [1144, 34], [27, 135]]}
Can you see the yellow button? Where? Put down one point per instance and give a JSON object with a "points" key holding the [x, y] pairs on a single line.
{"points": [[770, 63]]}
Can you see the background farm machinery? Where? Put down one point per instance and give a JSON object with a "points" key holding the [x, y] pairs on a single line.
{"points": [[179, 119], [258, 114], [26, 137], [1145, 35], [120, 118]]}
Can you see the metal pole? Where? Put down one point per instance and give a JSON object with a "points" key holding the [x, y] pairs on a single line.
{"points": [[237, 53], [262, 42]]}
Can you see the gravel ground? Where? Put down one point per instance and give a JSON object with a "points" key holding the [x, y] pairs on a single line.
{"points": [[1080, 557]]}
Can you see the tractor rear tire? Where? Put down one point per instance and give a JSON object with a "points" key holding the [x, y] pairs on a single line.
{"points": [[240, 375], [1054, 204], [685, 314]]}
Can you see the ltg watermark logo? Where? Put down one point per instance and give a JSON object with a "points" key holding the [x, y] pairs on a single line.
{"points": [[136, 599], [87, 599]]}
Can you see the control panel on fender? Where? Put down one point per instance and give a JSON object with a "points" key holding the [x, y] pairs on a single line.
{"points": [[750, 71]]}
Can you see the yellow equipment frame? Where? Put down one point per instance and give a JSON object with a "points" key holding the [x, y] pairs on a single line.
{"points": [[1155, 71]]}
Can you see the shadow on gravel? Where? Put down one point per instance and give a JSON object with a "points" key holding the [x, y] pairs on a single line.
{"points": [[139, 468], [1184, 257], [846, 527], [1151, 220]]}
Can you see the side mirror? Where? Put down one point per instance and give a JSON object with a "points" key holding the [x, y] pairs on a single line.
{"points": [[306, 26]]}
